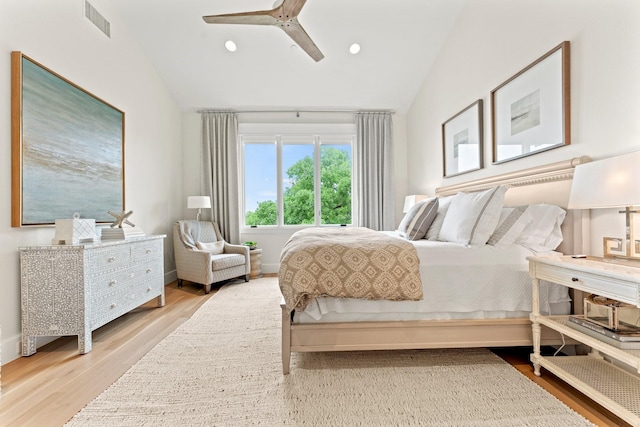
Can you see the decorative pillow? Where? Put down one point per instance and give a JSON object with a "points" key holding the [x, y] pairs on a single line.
{"points": [[472, 217], [511, 224], [436, 225], [215, 248], [543, 233], [416, 222]]}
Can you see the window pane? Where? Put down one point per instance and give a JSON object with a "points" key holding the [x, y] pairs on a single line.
{"points": [[260, 184], [335, 179], [298, 184]]}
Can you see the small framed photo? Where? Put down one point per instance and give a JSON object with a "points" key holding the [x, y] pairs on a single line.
{"points": [[462, 137], [530, 112]]}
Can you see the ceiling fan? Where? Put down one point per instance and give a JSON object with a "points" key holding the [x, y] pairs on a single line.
{"points": [[284, 15]]}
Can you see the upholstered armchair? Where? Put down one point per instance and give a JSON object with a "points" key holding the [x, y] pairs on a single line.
{"points": [[203, 256]]}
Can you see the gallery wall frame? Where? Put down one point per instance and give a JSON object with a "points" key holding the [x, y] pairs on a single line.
{"points": [[463, 141], [531, 111], [67, 149]]}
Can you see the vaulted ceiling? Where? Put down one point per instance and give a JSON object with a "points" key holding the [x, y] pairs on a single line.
{"points": [[399, 41]]}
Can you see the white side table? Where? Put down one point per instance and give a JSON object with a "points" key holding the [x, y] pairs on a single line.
{"points": [[594, 375]]}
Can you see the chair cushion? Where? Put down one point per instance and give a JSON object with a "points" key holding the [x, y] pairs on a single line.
{"points": [[222, 261]]}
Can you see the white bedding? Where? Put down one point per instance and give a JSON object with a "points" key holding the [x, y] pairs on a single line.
{"points": [[458, 282]]}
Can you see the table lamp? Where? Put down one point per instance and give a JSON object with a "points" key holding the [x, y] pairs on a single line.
{"points": [[411, 200], [611, 183], [198, 202]]}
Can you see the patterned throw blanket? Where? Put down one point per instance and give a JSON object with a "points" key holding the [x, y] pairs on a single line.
{"points": [[353, 262]]}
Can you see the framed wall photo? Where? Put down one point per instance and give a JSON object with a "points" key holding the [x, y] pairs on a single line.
{"points": [[530, 112], [67, 149], [462, 141]]}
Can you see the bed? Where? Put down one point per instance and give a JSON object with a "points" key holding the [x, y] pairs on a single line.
{"points": [[450, 316]]}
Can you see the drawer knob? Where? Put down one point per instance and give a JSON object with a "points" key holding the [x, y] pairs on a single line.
{"points": [[111, 259], [148, 251], [113, 282], [149, 289], [148, 270], [113, 305], [575, 279]]}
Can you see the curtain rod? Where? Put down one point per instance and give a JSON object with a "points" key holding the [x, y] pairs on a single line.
{"points": [[296, 111]]}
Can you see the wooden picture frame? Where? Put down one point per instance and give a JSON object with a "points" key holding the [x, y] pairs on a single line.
{"points": [[462, 141], [530, 112], [67, 149]]}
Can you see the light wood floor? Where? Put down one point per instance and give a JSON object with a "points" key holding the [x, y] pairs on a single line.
{"points": [[51, 386]]}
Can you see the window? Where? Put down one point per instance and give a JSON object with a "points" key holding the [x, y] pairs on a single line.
{"points": [[260, 176], [297, 180]]}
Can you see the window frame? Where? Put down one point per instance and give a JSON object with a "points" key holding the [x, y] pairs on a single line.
{"points": [[298, 134]]}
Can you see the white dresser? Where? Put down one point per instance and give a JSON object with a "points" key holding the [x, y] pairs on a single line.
{"points": [[75, 289]]}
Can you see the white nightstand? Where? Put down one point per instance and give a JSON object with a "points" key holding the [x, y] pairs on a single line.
{"points": [[614, 388]]}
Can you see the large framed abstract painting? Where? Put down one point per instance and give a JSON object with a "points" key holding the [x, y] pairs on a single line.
{"points": [[67, 149], [462, 141], [531, 111]]}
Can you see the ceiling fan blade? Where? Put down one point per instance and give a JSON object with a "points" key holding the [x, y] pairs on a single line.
{"points": [[260, 17], [300, 36], [292, 7]]}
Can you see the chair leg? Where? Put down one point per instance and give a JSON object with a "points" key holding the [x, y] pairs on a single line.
{"points": [[179, 283]]}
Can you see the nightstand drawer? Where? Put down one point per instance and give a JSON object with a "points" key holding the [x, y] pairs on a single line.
{"points": [[589, 282]]}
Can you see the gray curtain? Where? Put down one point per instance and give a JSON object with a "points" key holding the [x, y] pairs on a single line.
{"points": [[220, 170], [373, 166]]}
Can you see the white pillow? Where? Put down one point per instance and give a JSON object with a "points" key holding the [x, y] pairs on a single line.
{"points": [[415, 223], [510, 226], [436, 225], [216, 248], [472, 217], [543, 233]]}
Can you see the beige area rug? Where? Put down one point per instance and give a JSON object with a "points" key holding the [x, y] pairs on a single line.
{"points": [[222, 368]]}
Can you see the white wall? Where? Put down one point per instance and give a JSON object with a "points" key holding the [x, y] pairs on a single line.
{"points": [[494, 39], [56, 34]]}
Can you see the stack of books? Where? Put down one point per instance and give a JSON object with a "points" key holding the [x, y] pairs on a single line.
{"points": [[123, 233], [626, 337]]}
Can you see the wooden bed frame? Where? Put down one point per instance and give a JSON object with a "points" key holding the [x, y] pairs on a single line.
{"points": [[543, 184]]}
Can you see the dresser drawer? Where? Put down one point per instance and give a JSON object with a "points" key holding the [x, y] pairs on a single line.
{"points": [[589, 282], [106, 259], [147, 250], [108, 307], [111, 282]]}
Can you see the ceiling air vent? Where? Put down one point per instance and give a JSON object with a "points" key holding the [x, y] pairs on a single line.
{"points": [[98, 20]]}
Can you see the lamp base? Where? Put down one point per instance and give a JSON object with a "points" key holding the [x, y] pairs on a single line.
{"points": [[613, 248]]}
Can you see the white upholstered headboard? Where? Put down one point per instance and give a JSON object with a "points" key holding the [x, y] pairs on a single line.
{"points": [[549, 184]]}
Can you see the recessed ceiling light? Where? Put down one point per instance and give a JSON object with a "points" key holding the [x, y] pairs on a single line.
{"points": [[230, 46], [354, 48]]}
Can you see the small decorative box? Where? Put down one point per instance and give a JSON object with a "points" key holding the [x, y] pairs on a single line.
{"points": [[611, 314], [74, 231]]}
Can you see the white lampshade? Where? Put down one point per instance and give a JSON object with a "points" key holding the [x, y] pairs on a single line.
{"points": [[411, 200], [197, 202], [608, 183]]}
